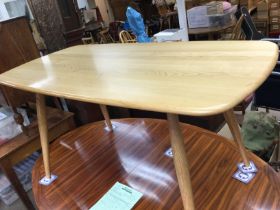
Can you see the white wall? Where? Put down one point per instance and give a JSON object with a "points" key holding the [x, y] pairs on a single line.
{"points": [[85, 3], [82, 4], [18, 9], [3, 12]]}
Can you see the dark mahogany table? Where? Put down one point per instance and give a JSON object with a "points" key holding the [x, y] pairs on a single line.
{"points": [[90, 160]]}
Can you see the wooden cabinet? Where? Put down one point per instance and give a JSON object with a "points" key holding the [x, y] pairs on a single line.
{"points": [[119, 8], [17, 46], [58, 22]]}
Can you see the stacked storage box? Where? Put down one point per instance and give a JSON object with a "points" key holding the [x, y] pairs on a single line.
{"points": [[262, 10], [274, 16], [262, 17], [243, 3]]}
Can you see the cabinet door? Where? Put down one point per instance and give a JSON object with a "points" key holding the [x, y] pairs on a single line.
{"points": [[119, 8], [69, 14], [17, 47]]}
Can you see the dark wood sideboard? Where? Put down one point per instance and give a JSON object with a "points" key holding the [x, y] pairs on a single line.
{"points": [[17, 46]]}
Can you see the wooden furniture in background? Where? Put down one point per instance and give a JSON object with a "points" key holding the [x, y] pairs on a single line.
{"points": [[262, 25], [73, 37], [92, 21], [213, 123], [139, 162], [261, 18], [58, 22], [17, 47], [237, 30], [88, 40], [244, 104], [274, 16], [105, 37], [189, 78], [119, 8], [126, 37], [22, 146], [166, 14]]}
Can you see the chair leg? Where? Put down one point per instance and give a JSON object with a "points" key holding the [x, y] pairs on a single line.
{"points": [[12, 177], [169, 22], [160, 24]]}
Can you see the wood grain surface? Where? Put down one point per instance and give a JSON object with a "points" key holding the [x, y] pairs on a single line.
{"points": [[17, 46], [192, 78], [89, 160], [49, 22]]}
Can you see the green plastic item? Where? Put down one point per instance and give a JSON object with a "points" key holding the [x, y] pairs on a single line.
{"points": [[259, 131]]}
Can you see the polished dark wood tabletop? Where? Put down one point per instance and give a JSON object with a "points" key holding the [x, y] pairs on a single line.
{"points": [[90, 160]]}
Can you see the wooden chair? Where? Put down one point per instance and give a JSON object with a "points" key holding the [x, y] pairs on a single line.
{"points": [[126, 37], [244, 104], [88, 40], [165, 13], [105, 37], [266, 95], [235, 32]]}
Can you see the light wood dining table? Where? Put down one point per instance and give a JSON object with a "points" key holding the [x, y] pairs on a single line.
{"points": [[188, 78]]}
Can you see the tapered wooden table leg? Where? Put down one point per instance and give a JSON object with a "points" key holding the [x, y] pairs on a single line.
{"points": [[106, 116], [43, 130], [234, 128], [180, 161]]}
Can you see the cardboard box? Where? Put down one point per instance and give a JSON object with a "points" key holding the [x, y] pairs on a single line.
{"points": [[274, 4], [262, 15], [262, 6], [243, 2], [274, 20], [260, 24], [274, 12], [275, 27], [234, 2]]}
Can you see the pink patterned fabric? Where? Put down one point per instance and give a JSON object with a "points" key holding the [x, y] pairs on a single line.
{"points": [[226, 5]]}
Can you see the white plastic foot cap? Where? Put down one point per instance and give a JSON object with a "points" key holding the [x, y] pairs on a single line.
{"points": [[47, 181]]}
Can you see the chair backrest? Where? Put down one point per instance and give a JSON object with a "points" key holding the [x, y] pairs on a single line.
{"points": [[105, 37], [162, 7], [87, 40], [248, 26], [126, 37], [237, 33]]}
